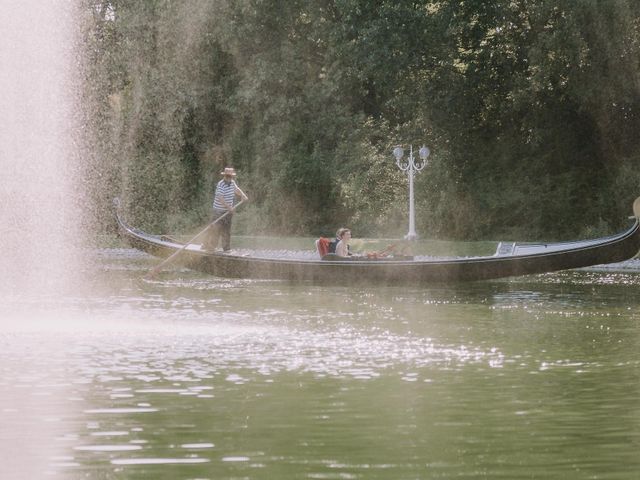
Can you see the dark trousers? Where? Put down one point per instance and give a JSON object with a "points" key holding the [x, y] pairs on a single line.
{"points": [[220, 231]]}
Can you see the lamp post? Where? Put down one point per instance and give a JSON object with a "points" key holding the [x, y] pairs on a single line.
{"points": [[411, 167]]}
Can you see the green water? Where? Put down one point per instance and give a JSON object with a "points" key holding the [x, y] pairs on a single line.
{"points": [[194, 377]]}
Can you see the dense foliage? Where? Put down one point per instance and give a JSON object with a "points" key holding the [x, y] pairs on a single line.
{"points": [[530, 108]]}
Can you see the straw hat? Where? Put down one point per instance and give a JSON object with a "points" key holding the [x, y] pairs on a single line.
{"points": [[228, 172]]}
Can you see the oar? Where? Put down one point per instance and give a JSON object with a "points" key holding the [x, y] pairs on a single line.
{"points": [[154, 271]]}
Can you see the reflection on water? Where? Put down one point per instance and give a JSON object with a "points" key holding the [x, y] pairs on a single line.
{"points": [[190, 376]]}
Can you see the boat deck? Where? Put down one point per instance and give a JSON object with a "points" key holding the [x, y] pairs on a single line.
{"points": [[299, 255]]}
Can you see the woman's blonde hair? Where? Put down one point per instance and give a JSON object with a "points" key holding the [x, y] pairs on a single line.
{"points": [[342, 231]]}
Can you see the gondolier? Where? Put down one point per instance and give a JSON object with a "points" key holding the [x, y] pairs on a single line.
{"points": [[223, 202]]}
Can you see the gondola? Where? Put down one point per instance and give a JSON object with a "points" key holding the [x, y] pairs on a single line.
{"points": [[509, 260]]}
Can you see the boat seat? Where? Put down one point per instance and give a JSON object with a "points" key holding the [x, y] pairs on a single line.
{"points": [[322, 246], [505, 248]]}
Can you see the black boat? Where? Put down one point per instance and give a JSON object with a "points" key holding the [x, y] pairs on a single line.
{"points": [[510, 259]]}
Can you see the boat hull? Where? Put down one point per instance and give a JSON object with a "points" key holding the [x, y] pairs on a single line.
{"points": [[547, 258]]}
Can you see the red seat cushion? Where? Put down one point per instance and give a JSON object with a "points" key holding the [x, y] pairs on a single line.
{"points": [[322, 244]]}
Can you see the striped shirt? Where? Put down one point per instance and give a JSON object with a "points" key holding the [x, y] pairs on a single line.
{"points": [[227, 191]]}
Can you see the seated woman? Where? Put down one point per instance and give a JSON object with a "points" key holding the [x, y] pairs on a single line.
{"points": [[343, 236]]}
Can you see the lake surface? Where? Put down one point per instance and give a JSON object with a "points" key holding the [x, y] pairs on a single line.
{"points": [[196, 377]]}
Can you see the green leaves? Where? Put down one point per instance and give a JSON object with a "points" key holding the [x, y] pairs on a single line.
{"points": [[530, 109]]}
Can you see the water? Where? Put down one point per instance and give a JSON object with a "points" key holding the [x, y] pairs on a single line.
{"points": [[197, 377], [38, 162]]}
